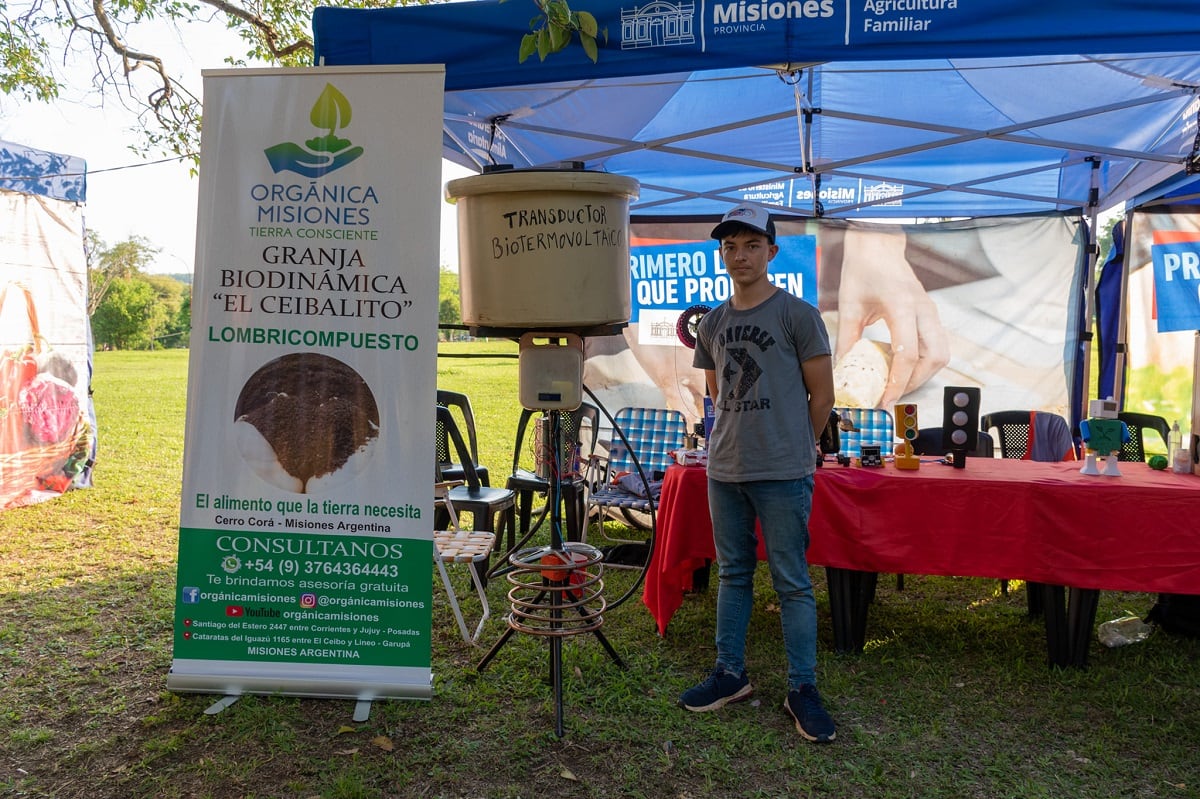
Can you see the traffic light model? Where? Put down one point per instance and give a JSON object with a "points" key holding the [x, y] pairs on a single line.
{"points": [[906, 430]]}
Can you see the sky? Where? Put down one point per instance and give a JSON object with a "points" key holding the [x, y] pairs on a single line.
{"points": [[129, 194]]}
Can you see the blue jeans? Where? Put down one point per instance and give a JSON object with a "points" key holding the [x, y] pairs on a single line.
{"points": [[782, 508]]}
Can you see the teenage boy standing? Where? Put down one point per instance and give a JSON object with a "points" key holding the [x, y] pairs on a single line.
{"points": [[766, 359]]}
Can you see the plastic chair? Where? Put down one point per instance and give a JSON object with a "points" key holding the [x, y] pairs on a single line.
{"points": [[1012, 428], [456, 545], [1138, 423], [1018, 439], [452, 469], [1017, 431], [578, 428], [650, 435], [929, 442], [486, 504], [870, 426]]}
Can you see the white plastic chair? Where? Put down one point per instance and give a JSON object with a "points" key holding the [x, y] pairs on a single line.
{"points": [[455, 545]]}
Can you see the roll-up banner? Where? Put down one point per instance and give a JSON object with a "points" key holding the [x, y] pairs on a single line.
{"points": [[1163, 314], [305, 546]]}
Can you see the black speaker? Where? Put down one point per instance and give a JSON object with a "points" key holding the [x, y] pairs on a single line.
{"points": [[960, 420]]}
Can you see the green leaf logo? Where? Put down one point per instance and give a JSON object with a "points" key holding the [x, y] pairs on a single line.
{"points": [[331, 110], [322, 154]]}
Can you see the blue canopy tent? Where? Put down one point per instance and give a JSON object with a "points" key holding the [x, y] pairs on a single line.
{"points": [[819, 108], [988, 110], [28, 170]]}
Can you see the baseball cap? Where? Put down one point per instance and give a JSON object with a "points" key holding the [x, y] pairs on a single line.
{"points": [[754, 217]]}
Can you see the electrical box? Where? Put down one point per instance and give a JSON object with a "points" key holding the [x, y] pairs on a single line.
{"points": [[550, 371]]}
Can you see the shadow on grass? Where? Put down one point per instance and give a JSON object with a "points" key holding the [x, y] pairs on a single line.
{"points": [[952, 698]]}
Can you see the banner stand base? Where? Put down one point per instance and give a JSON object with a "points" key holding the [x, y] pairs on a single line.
{"points": [[362, 708], [218, 706]]}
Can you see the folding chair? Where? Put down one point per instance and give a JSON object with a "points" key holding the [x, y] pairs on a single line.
{"points": [[870, 426], [455, 545], [650, 435]]}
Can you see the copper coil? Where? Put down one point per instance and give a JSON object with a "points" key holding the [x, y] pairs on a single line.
{"points": [[557, 592]]}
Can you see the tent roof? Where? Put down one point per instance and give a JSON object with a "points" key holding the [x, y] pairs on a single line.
{"points": [[919, 108], [31, 171], [1179, 190]]}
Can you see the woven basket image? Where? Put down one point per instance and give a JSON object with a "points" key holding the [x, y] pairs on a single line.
{"points": [[32, 460]]}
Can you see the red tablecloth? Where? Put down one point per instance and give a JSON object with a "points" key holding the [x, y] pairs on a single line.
{"points": [[1000, 518]]}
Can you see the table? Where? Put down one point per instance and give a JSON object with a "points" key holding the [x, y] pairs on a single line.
{"points": [[1001, 518]]}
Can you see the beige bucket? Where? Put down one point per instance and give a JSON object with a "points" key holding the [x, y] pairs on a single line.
{"points": [[543, 249]]}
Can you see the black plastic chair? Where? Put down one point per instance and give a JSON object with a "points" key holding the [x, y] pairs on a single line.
{"points": [[577, 428], [1013, 429], [492, 509], [929, 442], [452, 469], [1138, 423]]}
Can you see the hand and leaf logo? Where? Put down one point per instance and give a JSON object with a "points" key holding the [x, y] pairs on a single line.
{"points": [[322, 154]]}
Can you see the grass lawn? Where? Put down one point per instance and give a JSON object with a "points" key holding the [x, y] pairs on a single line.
{"points": [[952, 697]]}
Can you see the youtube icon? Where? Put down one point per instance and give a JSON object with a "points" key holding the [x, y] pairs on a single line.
{"points": [[235, 610]]}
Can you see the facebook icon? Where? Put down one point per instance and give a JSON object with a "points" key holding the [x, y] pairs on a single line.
{"points": [[191, 595]]}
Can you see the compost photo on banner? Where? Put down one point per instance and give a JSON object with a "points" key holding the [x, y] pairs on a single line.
{"points": [[305, 542], [991, 303]]}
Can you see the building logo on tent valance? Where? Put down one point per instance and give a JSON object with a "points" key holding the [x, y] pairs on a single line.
{"points": [[658, 24], [880, 193]]}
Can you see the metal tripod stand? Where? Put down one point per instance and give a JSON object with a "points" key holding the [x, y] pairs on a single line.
{"points": [[557, 590]]}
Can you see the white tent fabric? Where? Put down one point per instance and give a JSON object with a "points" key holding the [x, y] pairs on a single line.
{"points": [[47, 421]]}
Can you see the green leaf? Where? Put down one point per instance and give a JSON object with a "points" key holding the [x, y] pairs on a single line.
{"points": [[543, 44], [558, 12], [331, 110], [529, 43], [560, 37], [589, 46], [587, 24]]}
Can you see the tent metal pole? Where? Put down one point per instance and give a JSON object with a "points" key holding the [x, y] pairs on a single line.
{"points": [[1122, 343], [1194, 432], [1089, 300]]}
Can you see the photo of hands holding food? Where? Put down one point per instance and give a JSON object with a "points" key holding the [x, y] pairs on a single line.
{"points": [[910, 308]]}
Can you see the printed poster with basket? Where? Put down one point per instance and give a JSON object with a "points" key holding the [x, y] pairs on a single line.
{"points": [[45, 434]]}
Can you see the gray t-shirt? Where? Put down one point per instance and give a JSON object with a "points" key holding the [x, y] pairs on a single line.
{"points": [[762, 429]]}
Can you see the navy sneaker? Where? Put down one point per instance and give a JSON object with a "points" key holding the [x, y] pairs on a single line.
{"points": [[803, 704], [719, 688]]}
